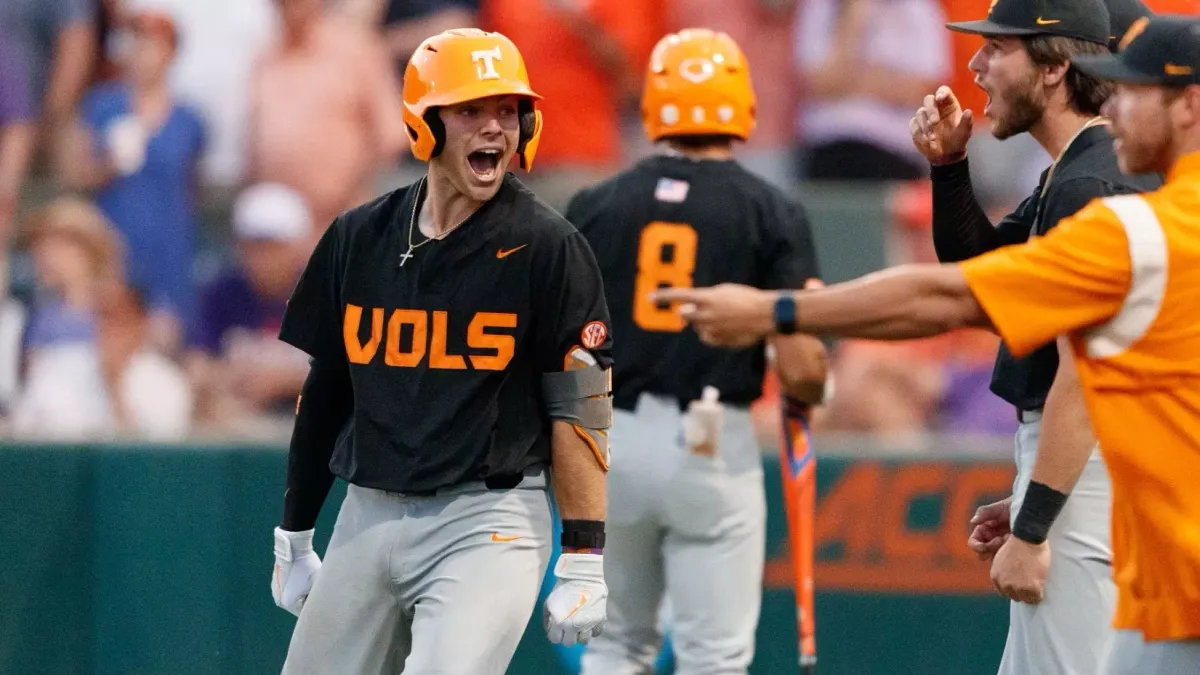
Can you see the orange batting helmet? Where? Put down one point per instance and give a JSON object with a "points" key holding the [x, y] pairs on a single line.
{"points": [[462, 65], [698, 83]]}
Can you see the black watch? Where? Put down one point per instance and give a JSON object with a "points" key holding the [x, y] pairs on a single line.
{"points": [[785, 313]]}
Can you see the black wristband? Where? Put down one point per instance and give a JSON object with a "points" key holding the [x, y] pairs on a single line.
{"points": [[582, 534], [1037, 514], [785, 313]]}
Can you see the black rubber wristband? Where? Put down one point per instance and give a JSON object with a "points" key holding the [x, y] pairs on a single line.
{"points": [[1037, 514], [582, 534]]}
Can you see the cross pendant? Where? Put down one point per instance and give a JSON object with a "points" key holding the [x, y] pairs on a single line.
{"points": [[407, 254]]}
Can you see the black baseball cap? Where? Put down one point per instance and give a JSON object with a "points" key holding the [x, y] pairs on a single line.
{"points": [[1161, 50], [1121, 16], [1081, 19]]}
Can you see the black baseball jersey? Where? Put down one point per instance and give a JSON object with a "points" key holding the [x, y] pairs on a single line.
{"points": [[670, 221], [1088, 170], [446, 353]]}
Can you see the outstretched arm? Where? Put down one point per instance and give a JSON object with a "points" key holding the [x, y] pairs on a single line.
{"points": [[1075, 277], [904, 302]]}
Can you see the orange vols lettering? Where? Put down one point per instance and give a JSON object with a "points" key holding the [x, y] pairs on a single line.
{"points": [[357, 352], [396, 357], [438, 358], [504, 346], [430, 340]]}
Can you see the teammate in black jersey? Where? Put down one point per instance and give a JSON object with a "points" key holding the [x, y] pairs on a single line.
{"points": [[686, 503], [460, 346]]}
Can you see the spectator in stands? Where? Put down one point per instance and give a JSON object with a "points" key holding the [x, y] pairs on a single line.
{"points": [[763, 29], [406, 23], [139, 154], [212, 70], [55, 41], [149, 396], [17, 134], [238, 363], [866, 65], [584, 57], [75, 255], [326, 111]]}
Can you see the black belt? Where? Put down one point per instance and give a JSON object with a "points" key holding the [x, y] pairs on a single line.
{"points": [[501, 482], [628, 402], [1026, 416]]}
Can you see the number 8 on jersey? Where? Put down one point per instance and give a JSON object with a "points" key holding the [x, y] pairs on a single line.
{"points": [[666, 258]]}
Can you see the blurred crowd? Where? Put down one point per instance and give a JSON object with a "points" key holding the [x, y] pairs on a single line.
{"points": [[167, 165]]}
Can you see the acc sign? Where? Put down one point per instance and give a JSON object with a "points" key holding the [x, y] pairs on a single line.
{"points": [[899, 527]]}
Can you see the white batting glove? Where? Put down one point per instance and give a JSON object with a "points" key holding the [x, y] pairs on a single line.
{"points": [[576, 609], [296, 567]]}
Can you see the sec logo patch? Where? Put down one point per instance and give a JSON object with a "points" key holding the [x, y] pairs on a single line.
{"points": [[593, 334]]}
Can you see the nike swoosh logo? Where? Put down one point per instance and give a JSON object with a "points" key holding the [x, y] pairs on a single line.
{"points": [[583, 598], [504, 254], [496, 537], [1047, 22]]}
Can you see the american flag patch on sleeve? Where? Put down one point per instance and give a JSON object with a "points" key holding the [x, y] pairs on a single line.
{"points": [[671, 190]]}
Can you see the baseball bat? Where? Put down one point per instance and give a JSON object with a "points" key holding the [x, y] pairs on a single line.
{"points": [[798, 466]]}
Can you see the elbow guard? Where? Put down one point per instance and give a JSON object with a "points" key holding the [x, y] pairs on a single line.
{"points": [[581, 395]]}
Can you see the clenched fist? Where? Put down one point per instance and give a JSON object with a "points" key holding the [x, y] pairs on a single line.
{"points": [[991, 530], [941, 128], [296, 568], [577, 607]]}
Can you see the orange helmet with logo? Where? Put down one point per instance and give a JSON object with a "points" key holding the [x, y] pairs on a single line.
{"points": [[462, 65], [698, 83]]}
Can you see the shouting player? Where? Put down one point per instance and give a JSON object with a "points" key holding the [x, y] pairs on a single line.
{"points": [[459, 343], [687, 518], [1061, 603]]}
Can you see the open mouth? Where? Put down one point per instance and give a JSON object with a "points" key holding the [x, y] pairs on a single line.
{"points": [[485, 164], [987, 107]]}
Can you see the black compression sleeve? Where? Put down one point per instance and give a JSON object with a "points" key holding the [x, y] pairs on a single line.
{"points": [[961, 229], [325, 405]]}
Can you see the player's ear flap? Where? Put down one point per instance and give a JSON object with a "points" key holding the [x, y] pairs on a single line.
{"points": [[438, 129], [530, 133]]}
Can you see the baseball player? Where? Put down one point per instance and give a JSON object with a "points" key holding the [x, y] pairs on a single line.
{"points": [[460, 348], [687, 511], [1119, 278], [1059, 617]]}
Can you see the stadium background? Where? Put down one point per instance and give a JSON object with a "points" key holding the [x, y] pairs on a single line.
{"points": [[143, 448]]}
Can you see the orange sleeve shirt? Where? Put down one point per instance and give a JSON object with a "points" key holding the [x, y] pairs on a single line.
{"points": [[1074, 277], [1122, 279]]}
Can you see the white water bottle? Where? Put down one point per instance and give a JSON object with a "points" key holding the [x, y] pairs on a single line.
{"points": [[702, 425]]}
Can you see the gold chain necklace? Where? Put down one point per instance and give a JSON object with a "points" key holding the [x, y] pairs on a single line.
{"points": [[412, 224], [1098, 119]]}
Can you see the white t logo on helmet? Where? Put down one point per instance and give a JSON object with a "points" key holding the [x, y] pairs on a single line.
{"points": [[485, 63]]}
